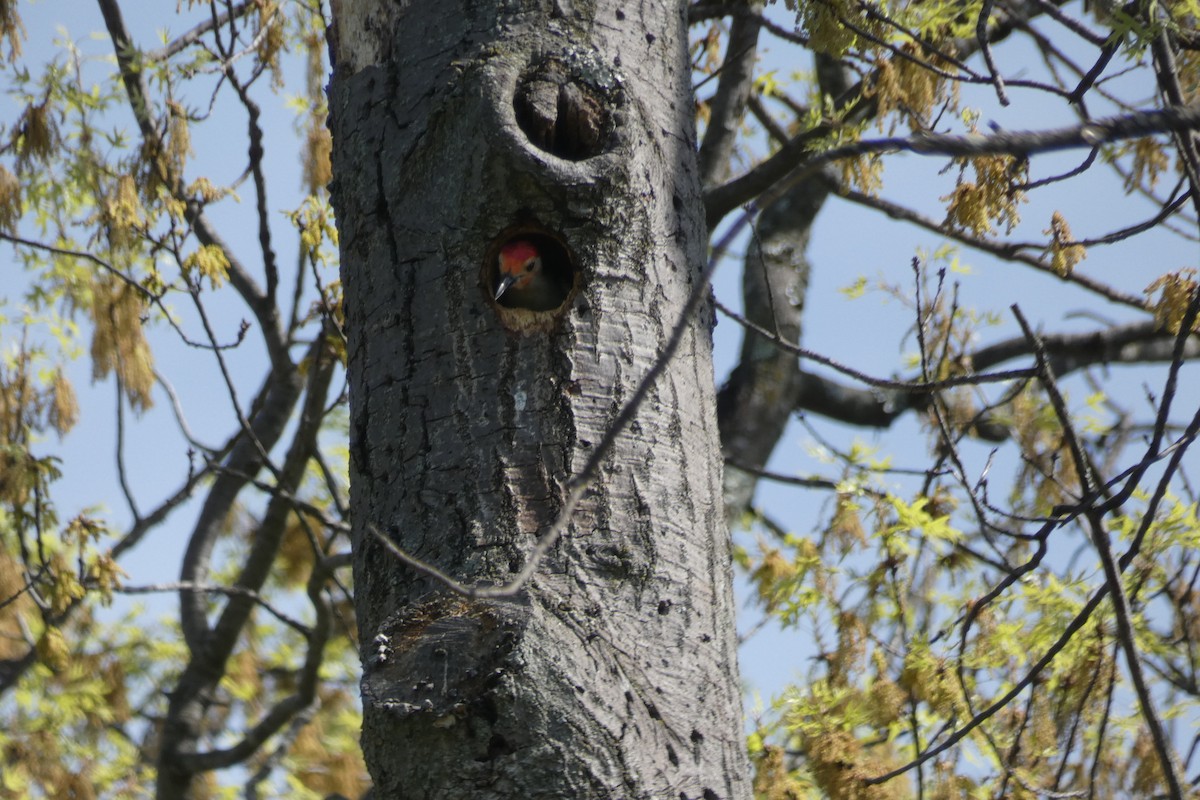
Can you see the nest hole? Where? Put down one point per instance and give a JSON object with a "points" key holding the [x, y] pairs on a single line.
{"points": [[563, 115], [530, 269]]}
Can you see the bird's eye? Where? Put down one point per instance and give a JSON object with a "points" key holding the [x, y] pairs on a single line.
{"points": [[529, 265]]}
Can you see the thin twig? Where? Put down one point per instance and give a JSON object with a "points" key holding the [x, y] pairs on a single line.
{"points": [[795, 160], [192, 36], [985, 46], [230, 387], [1168, 761], [122, 477], [1000, 704], [209, 588], [915, 387]]}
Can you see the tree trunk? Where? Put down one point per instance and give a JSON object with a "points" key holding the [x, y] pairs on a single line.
{"points": [[612, 673]]}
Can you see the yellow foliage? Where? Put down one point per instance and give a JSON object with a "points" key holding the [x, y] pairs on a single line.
{"points": [[121, 213], [243, 675], [27, 408], [269, 38], [318, 169], [314, 59], [315, 221], [710, 46], [846, 527], [18, 473], [887, 701], [851, 647], [773, 572], [203, 188], [991, 198], [1149, 160], [840, 767], [11, 28], [318, 147], [823, 20], [118, 341], [948, 785], [63, 588], [179, 138], [909, 85], [53, 651], [930, 679], [105, 575], [865, 172], [1047, 464], [38, 135], [1187, 64], [17, 610], [325, 770], [210, 261], [10, 199], [83, 529], [1176, 292], [1063, 250], [64, 407], [1148, 778], [175, 207], [296, 549], [772, 779], [116, 695]]}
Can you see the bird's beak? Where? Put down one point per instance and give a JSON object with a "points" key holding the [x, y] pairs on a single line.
{"points": [[505, 282]]}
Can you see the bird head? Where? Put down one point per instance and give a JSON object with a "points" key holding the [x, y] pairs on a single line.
{"points": [[520, 264]]}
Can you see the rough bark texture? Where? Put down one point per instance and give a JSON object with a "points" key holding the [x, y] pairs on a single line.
{"points": [[613, 673]]}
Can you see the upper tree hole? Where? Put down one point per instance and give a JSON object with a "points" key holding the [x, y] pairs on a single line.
{"points": [[562, 114]]}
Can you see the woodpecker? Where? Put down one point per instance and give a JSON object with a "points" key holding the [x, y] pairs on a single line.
{"points": [[524, 281]]}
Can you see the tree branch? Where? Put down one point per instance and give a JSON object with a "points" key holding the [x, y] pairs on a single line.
{"points": [[1168, 82], [128, 62], [182, 42], [1136, 343], [207, 663], [1006, 251], [1167, 759], [289, 707], [795, 161], [729, 103]]}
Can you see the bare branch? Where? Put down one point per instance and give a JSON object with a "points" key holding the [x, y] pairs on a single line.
{"points": [[134, 79], [216, 645], [194, 35], [729, 103], [1168, 761], [1168, 82], [231, 591], [880, 383], [795, 161], [122, 478], [287, 709], [1006, 251]]}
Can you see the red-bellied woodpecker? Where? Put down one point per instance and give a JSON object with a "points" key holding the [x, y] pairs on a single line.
{"points": [[524, 280]]}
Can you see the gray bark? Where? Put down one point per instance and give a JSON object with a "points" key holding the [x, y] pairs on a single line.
{"points": [[728, 105], [612, 674], [765, 388], [762, 391]]}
